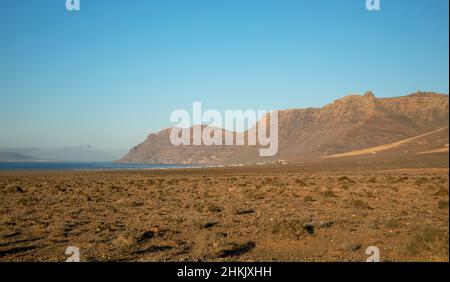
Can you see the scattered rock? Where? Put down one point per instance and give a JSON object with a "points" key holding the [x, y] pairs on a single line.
{"points": [[208, 225], [147, 235], [222, 234], [245, 211], [16, 250], [237, 249], [309, 228], [351, 246]]}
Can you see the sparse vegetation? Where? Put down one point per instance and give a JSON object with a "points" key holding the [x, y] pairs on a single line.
{"points": [[372, 180], [360, 204], [345, 179], [442, 191], [213, 218], [207, 207], [291, 228], [443, 204], [429, 239], [253, 193], [328, 193], [308, 199], [392, 223], [421, 181], [402, 179], [301, 183]]}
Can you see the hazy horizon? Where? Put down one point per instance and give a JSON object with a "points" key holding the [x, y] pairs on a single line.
{"points": [[112, 73], [67, 154]]}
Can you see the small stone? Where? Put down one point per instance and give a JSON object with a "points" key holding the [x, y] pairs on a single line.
{"points": [[351, 246], [208, 225], [245, 211], [146, 236], [237, 249], [309, 228]]}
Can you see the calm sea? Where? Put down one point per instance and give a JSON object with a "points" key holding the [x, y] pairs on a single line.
{"points": [[81, 166]]}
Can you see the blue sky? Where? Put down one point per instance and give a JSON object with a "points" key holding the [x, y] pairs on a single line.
{"points": [[114, 71]]}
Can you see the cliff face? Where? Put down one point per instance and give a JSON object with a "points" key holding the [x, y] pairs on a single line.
{"points": [[350, 123]]}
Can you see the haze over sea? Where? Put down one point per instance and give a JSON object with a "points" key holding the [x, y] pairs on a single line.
{"points": [[56, 165]]}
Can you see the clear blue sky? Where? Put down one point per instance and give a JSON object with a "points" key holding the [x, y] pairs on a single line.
{"points": [[113, 72]]}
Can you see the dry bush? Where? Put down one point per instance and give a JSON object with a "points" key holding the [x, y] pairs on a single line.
{"points": [[360, 204], [292, 228], [428, 239]]}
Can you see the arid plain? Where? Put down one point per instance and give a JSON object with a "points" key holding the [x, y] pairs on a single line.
{"points": [[356, 173], [312, 211]]}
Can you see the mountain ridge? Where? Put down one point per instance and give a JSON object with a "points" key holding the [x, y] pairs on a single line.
{"points": [[15, 157], [350, 123]]}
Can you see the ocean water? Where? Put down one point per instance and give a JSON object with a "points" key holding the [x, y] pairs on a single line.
{"points": [[82, 166]]}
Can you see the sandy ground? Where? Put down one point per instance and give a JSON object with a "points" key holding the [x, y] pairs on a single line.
{"points": [[228, 214]]}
